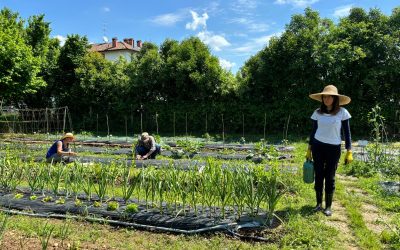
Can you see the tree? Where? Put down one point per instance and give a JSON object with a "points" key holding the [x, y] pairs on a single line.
{"points": [[67, 90], [19, 67], [37, 35]]}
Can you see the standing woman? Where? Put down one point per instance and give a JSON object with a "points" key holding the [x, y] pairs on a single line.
{"points": [[325, 142]]}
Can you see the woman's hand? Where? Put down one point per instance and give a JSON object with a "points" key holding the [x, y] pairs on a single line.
{"points": [[348, 158], [308, 155]]}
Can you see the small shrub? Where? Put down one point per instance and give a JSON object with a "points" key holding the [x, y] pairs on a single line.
{"points": [[112, 206], [97, 204], [78, 203], [358, 169], [207, 136], [33, 197], [61, 200], [132, 208], [18, 196], [47, 199]]}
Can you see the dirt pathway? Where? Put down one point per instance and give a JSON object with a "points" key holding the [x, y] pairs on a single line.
{"points": [[339, 221], [374, 218]]}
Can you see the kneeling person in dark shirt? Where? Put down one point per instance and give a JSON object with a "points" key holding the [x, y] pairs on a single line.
{"points": [[146, 147]]}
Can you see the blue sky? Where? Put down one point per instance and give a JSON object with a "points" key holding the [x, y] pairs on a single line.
{"points": [[233, 29]]}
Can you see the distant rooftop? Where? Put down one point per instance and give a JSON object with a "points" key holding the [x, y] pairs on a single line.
{"points": [[127, 44]]}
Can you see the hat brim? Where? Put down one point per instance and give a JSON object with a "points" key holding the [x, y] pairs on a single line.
{"points": [[343, 100], [68, 136]]}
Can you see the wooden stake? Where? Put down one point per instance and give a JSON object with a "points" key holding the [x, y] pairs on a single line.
{"points": [[126, 129], [97, 124], [65, 117], [157, 122], [174, 124], [243, 125], [141, 121], [206, 123], [265, 123], [223, 129], [186, 127], [108, 128]]}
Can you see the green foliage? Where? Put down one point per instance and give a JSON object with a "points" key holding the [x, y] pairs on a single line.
{"points": [[112, 205], [19, 67], [18, 196], [131, 208]]}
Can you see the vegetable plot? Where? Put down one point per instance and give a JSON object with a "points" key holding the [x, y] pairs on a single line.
{"points": [[215, 191]]}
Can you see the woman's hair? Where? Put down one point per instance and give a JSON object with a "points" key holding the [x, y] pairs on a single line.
{"points": [[335, 106]]}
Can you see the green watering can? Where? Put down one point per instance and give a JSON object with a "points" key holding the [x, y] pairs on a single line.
{"points": [[308, 172]]}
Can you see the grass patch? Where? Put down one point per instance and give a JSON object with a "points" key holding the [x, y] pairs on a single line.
{"points": [[365, 237]]}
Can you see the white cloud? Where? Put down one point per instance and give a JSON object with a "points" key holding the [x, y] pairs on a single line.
{"points": [[226, 64], [61, 38], [251, 25], [342, 11], [254, 45], [106, 9], [197, 21], [216, 42], [168, 19], [296, 3]]}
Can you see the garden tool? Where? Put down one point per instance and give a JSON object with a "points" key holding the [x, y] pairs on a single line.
{"points": [[348, 158]]}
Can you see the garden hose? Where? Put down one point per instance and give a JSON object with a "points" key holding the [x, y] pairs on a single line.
{"points": [[225, 227]]}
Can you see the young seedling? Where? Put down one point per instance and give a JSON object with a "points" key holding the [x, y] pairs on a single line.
{"points": [[3, 225], [112, 205], [45, 233], [132, 208]]}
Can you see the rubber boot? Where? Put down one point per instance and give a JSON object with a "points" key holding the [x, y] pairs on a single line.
{"points": [[328, 204], [318, 207]]}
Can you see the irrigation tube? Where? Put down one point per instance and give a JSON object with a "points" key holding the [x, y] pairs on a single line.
{"points": [[121, 223], [227, 228]]}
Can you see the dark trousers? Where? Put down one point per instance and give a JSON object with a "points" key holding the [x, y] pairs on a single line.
{"points": [[326, 158], [141, 150]]}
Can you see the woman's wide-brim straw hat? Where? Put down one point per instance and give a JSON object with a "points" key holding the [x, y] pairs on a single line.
{"points": [[331, 90], [68, 135], [144, 136]]}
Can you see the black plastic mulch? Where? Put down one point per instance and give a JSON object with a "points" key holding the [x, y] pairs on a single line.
{"points": [[146, 217]]}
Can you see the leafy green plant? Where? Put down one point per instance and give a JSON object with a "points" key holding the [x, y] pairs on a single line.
{"points": [[274, 192], [223, 184], [45, 233], [60, 200], [130, 179], [112, 205], [32, 197], [78, 203], [32, 172], [3, 224], [47, 199], [131, 208], [56, 174], [18, 196], [64, 231], [102, 182], [97, 204]]}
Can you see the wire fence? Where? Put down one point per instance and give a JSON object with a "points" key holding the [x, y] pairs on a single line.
{"points": [[47, 120]]}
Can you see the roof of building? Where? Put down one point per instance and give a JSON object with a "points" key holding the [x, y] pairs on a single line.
{"points": [[103, 47]]}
